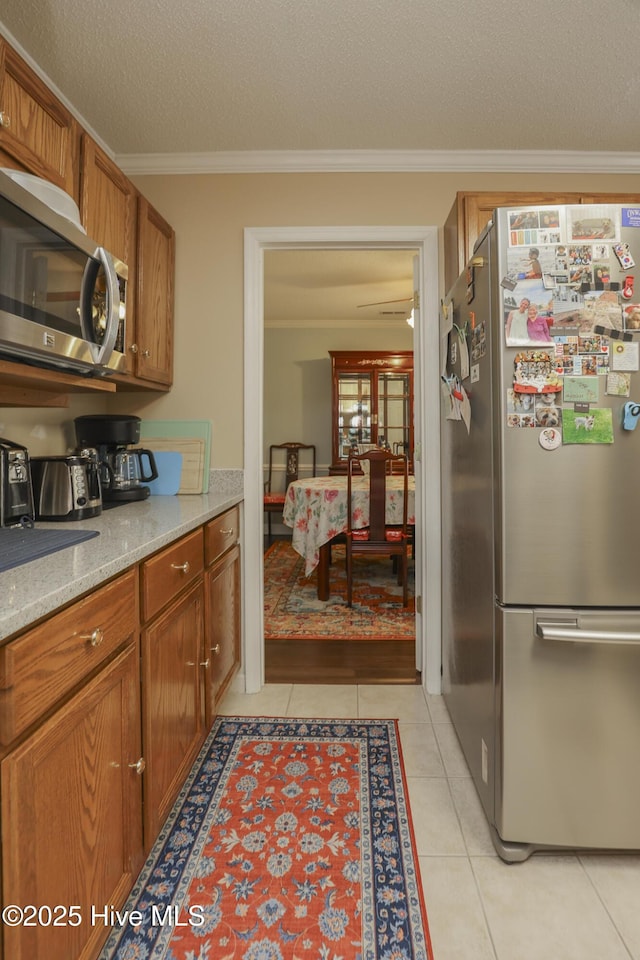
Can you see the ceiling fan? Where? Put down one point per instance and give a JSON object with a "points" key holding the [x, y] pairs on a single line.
{"points": [[381, 303]]}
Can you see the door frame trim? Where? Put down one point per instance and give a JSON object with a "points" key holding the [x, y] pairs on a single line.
{"points": [[424, 240]]}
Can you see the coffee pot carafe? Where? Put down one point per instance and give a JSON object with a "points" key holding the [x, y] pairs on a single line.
{"points": [[130, 468], [124, 468]]}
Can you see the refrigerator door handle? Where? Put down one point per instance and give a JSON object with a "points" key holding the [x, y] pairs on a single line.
{"points": [[573, 634]]}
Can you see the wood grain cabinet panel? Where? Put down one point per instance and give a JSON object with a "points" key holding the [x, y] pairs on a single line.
{"points": [[471, 213], [223, 615], [71, 814], [223, 627], [220, 534], [36, 128], [42, 665], [173, 721], [167, 573], [108, 207], [155, 287]]}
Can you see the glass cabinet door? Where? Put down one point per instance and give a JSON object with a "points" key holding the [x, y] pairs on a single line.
{"points": [[354, 411], [394, 414]]}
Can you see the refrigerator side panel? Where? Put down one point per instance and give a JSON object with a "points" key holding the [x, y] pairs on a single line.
{"points": [[567, 527], [569, 715], [467, 539]]}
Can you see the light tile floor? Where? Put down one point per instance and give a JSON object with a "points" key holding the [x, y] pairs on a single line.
{"points": [[552, 907]]}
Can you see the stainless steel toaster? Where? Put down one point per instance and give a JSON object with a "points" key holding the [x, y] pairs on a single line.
{"points": [[66, 488]]}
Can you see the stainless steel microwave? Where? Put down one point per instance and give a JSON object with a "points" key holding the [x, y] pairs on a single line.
{"points": [[62, 296]]}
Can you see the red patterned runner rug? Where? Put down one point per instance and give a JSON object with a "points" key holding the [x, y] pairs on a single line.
{"points": [[292, 610], [291, 840]]}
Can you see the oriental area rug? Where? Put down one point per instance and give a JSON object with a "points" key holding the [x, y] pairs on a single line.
{"points": [[292, 610], [291, 840]]}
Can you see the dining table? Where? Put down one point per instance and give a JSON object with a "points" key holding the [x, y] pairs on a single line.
{"points": [[316, 510]]}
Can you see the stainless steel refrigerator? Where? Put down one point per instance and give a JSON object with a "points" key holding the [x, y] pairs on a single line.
{"points": [[541, 525]]}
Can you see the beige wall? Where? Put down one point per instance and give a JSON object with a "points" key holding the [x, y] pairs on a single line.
{"points": [[209, 213], [297, 381]]}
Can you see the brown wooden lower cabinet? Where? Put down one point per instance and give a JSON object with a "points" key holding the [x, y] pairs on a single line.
{"points": [[172, 708], [100, 722], [222, 636], [71, 817]]}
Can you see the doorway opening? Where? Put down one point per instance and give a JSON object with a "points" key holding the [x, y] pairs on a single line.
{"points": [[426, 405], [338, 374]]}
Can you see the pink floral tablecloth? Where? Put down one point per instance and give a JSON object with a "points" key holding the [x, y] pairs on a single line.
{"points": [[316, 509]]}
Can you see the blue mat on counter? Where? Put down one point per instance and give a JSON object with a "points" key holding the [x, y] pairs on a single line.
{"points": [[20, 545]]}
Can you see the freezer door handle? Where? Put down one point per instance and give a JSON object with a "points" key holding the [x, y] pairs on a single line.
{"points": [[573, 634]]}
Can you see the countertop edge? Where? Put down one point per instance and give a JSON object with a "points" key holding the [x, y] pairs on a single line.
{"points": [[128, 534]]}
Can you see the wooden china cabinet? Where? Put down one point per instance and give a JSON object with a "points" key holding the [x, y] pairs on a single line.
{"points": [[372, 402]]}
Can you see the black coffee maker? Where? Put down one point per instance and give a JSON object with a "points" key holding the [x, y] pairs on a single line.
{"points": [[124, 467]]}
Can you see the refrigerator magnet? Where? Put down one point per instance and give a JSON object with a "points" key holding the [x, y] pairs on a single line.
{"points": [[550, 438]]}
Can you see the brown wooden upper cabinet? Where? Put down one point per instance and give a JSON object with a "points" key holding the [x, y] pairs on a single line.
{"points": [[37, 132], [153, 347], [372, 402], [114, 214], [471, 212], [108, 207]]}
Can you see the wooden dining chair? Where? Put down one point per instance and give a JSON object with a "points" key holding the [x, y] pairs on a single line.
{"points": [[291, 456], [379, 537]]}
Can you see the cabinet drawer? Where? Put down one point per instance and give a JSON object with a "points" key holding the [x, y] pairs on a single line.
{"points": [[170, 571], [40, 667], [221, 534]]}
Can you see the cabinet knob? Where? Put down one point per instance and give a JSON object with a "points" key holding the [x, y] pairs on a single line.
{"points": [[95, 638], [205, 663], [146, 353], [216, 649], [182, 567], [138, 766], [5, 120], [134, 348]]}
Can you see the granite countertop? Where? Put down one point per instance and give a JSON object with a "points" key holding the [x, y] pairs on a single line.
{"points": [[128, 534]]}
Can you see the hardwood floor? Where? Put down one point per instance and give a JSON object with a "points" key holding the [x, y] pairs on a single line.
{"points": [[340, 661]]}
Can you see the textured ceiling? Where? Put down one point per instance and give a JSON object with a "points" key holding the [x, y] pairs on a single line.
{"points": [[155, 76], [337, 288]]}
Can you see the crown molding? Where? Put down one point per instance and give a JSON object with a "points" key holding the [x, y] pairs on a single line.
{"points": [[381, 161]]}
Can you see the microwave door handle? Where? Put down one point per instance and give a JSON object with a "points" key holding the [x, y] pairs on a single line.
{"points": [[102, 351], [572, 634]]}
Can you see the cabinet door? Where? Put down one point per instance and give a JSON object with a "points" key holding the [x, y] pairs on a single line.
{"points": [[472, 211], [35, 127], [173, 722], [108, 207], [72, 815], [154, 313], [395, 406], [354, 420], [223, 626]]}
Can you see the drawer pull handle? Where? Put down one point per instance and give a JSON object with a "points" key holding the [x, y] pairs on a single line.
{"points": [[216, 649], [183, 567], [205, 663], [138, 766], [95, 638], [227, 533]]}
